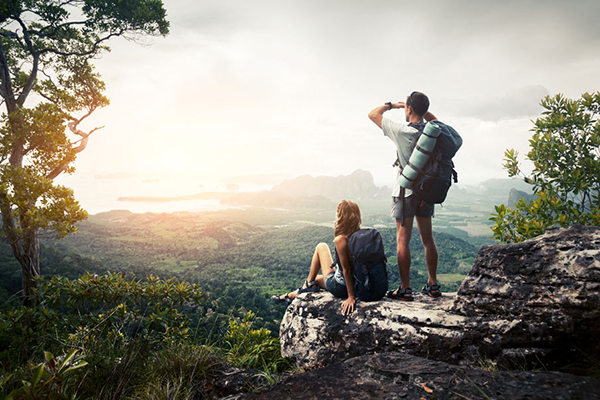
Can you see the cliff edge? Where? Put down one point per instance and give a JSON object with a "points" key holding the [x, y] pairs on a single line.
{"points": [[534, 304], [525, 313]]}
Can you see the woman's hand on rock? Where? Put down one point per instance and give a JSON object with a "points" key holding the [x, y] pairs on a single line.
{"points": [[348, 305]]}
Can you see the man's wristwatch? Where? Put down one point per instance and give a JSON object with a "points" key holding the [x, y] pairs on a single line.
{"points": [[389, 104]]}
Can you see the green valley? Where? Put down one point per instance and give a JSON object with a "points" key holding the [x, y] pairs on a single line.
{"points": [[238, 257]]}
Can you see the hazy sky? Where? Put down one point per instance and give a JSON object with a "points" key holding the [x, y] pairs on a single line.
{"points": [[256, 87]]}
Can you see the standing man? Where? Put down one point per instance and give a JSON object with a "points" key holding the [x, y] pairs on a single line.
{"points": [[406, 207]]}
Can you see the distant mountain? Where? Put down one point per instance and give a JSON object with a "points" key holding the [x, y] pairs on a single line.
{"points": [[503, 186], [358, 186], [492, 191], [515, 195]]}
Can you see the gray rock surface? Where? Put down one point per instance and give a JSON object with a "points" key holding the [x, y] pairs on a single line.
{"points": [[547, 287], [314, 332], [233, 381], [527, 305], [397, 376]]}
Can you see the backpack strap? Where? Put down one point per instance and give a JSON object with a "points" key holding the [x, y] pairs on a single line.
{"points": [[422, 150], [419, 170]]}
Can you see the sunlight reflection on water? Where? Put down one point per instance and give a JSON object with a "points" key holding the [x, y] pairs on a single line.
{"points": [[101, 193]]}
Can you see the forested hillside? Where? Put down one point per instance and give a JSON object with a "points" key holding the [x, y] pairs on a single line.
{"points": [[239, 265]]}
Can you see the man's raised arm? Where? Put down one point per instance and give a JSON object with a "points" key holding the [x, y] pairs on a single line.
{"points": [[376, 115], [429, 117]]}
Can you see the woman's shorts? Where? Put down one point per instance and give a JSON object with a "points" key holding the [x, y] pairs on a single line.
{"points": [[334, 287], [412, 207]]}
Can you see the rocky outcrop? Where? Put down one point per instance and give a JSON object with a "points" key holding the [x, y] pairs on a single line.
{"points": [[547, 288], [314, 331], [357, 186], [401, 376], [531, 304]]}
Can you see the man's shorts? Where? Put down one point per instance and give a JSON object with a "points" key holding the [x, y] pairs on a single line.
{"points": [[412, 207]]}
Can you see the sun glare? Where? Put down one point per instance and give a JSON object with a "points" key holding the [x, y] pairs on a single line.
{"points": [[173, 163]]}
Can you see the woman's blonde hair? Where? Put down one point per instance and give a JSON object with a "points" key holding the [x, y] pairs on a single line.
{"points": [[347, 219]]}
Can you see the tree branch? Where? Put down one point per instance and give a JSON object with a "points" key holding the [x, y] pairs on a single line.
{"points": [[56, 28], [90, 52], [30, 81], [32, 76], [6, 90], [82, 144]]}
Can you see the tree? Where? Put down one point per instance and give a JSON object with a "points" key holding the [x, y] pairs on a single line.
{"points": [[48, 84], [565, 152]]}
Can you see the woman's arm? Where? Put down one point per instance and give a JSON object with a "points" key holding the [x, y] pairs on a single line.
{"points": [[341, 245]]}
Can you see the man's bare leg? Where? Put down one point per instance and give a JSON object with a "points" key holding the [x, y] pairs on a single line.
{"points": [[431, 254], [403, 250]]}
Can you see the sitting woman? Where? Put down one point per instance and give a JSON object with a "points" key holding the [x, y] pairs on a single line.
{"points": [[336, 276]]}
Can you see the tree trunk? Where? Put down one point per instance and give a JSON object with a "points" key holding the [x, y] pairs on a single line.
{"points": [[30, 264], [25, 247]]}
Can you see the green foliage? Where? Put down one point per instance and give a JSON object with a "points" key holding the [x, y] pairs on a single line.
{"points": [[50, 379], [253, 348], [113, 321], [180, 371], [48, 84], [124, 339], [565, 152], [239, 266], [118, 309]]}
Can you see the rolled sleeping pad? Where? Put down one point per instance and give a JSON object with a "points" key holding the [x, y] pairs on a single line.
{"points": [[420, 154]]}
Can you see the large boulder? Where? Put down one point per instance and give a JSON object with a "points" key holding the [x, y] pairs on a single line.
{"points": [[531, 304], [547, 287], [314, 332]]}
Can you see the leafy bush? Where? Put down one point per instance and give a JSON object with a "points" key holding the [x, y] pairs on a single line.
{"points": [[123, 338], [117, 324], [253, 348], [49, 379], [565, 151]]}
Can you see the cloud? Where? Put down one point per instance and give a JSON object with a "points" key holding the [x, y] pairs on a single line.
{"points": [[286, 86]]}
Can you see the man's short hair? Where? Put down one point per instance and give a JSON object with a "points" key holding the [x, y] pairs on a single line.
{"points": [[419, 102]]}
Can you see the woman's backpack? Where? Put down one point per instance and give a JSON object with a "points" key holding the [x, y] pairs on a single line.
{"points": [[369, 264]]}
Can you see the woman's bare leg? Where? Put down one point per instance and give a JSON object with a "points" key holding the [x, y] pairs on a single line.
{"points": [[321, 262]]}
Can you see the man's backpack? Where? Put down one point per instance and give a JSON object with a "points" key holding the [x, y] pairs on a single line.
{"points": [[435, 178], [369, 264]]}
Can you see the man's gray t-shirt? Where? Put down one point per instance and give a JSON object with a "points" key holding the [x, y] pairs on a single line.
{"points": [[403, 136]]}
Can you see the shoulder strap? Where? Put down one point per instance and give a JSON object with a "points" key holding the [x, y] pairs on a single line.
{"points": [[418, 125]]}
